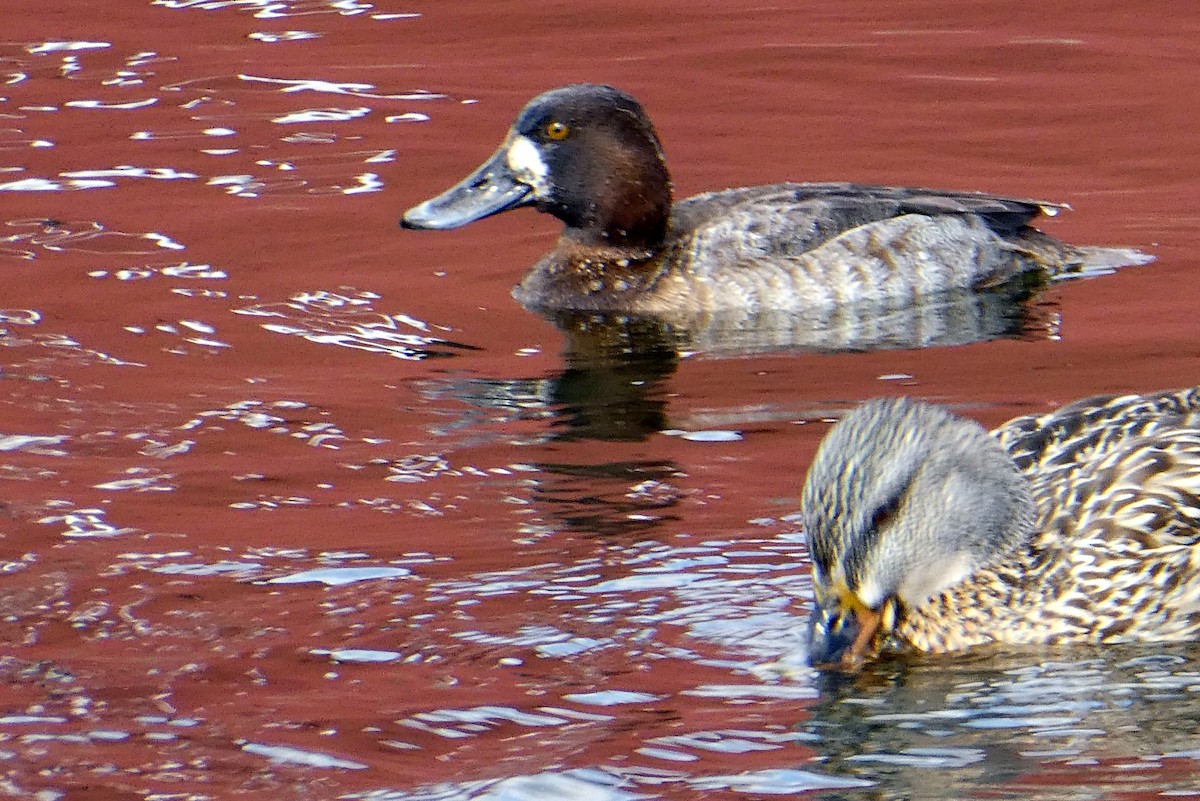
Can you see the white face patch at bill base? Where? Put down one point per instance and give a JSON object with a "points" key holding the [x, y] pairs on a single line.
{"points": [[527, 164]]}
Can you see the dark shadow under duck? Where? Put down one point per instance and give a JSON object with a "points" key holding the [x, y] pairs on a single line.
{"points": [[589, 155]]}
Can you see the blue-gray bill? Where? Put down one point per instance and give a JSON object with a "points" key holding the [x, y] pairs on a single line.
{"points": [[490, 189]]}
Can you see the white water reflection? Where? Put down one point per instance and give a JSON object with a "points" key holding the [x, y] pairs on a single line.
{"points": [[278, 9], [338, 88], [48, 185], [288, 755], [577, 785], [283, 36], [339, 576], [131, 104], [347, 319], [58, 47]]}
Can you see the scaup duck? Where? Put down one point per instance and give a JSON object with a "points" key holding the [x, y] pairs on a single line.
{"points": [[589, 155], [929, 535]]}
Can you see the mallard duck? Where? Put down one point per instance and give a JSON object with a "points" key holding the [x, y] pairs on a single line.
{"points": [[589, 155], [927, 534]]}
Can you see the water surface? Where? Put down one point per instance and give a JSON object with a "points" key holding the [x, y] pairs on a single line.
{"points": [[302, 505]]}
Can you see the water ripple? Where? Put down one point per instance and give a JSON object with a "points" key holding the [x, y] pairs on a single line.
{"points": [[80, 236], [277, 9], [578, 785], [288, 755], [339, 576], [348, 320], [778, 781]]}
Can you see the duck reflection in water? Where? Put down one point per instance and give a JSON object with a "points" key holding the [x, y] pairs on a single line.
{"points": [[614, 383], [589, 156], [612, 388], [1010, 725]]}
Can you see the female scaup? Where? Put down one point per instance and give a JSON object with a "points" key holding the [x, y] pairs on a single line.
{"points": [[588, 155]]}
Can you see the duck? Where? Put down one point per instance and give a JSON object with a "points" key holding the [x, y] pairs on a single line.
{"points": [[589, 155], [929, 535]]}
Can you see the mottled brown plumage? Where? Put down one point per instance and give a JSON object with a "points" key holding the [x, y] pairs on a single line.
{"points": [[1078, 526]]}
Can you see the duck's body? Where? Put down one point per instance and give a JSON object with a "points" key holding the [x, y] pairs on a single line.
{"points": [[804, 246], [1079, 526], [589, 156]]}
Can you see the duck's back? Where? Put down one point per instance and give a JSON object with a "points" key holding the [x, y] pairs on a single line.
{"points": [[1116, 468], [1116, 556], [1096, 427], [813, 244], [791, 218]]}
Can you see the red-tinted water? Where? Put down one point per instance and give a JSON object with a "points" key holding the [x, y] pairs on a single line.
{"points": [[212, 387]]}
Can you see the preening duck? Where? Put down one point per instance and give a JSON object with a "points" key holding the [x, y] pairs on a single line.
{"points": [[927, 534], [588, 155]]}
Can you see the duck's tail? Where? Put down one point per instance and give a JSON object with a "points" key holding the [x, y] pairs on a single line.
{"points": [[1058, 261], [1088, 260]]}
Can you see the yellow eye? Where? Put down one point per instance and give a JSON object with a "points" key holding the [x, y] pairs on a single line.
{"points": [[558, 131]]}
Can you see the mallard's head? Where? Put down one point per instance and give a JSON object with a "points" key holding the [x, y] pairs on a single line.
{"points": [[902, 501]]}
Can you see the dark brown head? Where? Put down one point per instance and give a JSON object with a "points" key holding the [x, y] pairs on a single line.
{"points": [[586, 154]]}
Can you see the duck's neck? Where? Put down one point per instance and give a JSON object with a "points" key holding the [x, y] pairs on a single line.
{"points": [[623, 246], [631, 215]]}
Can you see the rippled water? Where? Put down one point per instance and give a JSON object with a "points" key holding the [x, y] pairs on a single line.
{"points": [[297, 504]]}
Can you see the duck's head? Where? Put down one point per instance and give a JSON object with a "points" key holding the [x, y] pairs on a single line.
{"points": [[586, 154], [903, 500]]}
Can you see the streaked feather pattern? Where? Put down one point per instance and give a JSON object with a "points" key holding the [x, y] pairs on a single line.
{"points": [[1114, 553]]}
